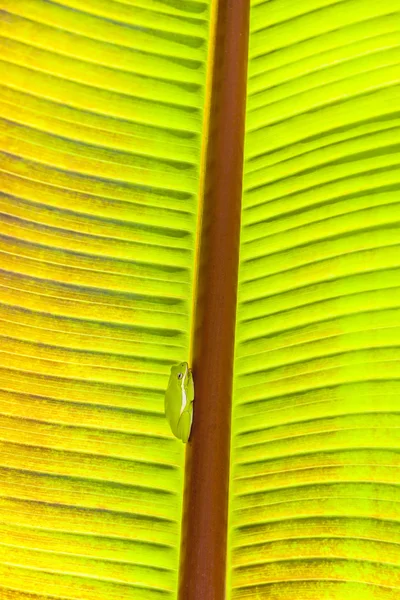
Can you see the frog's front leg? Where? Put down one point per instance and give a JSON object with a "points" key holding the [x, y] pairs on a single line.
{"points": [[190, 387]]}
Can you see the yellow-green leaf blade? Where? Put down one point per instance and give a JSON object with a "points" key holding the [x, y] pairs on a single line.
{"points": [[100, 139], [315, 475]]}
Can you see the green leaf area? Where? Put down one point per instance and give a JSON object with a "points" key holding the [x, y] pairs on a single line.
{"points": [[315, 467], [101, 129]]}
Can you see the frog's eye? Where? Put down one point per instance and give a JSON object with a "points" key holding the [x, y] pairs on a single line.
{"points": [[180, 375]]}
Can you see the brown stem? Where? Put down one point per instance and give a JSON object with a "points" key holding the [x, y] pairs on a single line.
{"points": [[205, 510]]}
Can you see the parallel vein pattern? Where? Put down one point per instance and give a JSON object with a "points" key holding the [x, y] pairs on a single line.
{"points": [[315, 467], [100, 134]]}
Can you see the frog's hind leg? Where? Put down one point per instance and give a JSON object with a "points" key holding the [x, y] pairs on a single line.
{"points": [[184, 426]]}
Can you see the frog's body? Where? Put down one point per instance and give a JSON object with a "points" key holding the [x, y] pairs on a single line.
{"points": [[179, 398]]}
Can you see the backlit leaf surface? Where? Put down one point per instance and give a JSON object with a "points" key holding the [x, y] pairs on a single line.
{"points": [[315, 447], [101, 130]]}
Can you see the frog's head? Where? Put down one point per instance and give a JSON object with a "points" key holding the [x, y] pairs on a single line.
{"points": [[179, 372]]}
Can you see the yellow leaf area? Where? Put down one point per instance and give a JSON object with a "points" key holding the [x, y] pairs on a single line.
{"points": [[101, 106], [315, 493]]}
